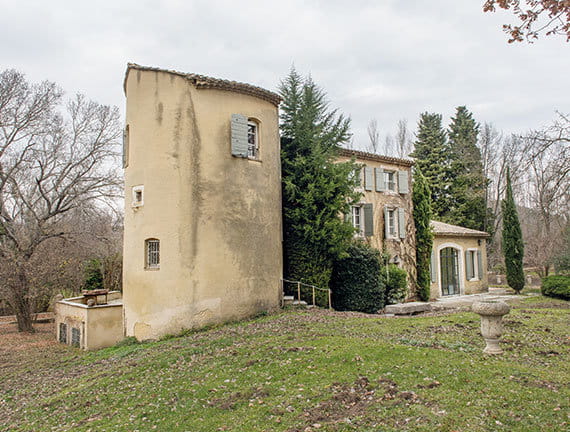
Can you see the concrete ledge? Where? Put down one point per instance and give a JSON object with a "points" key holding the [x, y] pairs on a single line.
{"points": [[407, 308]]}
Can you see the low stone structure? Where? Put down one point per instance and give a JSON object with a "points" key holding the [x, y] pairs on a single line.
{"points": [[458, 261], [90, 327]]}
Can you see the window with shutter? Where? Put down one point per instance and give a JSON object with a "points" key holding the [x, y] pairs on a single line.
{"points": [[433, 267], [390, 180], [252, 139], [380, 185], [368, 220], [239, 135], [401, 223], [390, 223], [126, 147], [368, 178], [403, 184], [479, 265]]}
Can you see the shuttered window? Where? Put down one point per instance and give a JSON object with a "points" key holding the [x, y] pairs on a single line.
{"points": [[403, 183], [239, 135], [368, 220], [380, 184], [480, 265], [472, 265], [368, 178], [401, 223], [390, 180], [433, 267]]}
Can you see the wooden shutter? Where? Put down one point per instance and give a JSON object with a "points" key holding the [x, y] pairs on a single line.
{"points": [[239, 135], [403, 185], [368, 178], [386, 228], [401, 223], [432, 267], [368, 220], [469, 264], [380, 184], [480, 265]]}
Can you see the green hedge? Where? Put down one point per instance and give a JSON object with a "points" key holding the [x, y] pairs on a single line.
{"points": [[395, 280], [357, 283], [556, 286]]}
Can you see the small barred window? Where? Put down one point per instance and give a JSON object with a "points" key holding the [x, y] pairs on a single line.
{"points": [[152, 254], [75, 336], [63, 333]]}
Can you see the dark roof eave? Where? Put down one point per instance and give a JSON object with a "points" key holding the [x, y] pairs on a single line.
{"points": [[205, 82], [375, 157]]}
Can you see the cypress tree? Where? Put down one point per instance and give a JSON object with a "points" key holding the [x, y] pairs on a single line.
{"points": [[431, 152], [421, 197], [513, 247], [466, 205], [316, 189]]}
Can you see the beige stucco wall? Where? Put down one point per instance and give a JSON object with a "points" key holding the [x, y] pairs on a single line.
{"points": [[101, 326], [218, 218], [403, 248], [462, 244]]}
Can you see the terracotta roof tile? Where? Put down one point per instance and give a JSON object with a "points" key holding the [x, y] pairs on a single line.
{"points": [[205, 82], [375, 157], [443, 229]]}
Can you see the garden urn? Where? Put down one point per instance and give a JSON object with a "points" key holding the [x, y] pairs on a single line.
{"points": [[491, 312]]}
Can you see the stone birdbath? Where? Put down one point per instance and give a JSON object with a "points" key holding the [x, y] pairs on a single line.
{"points": [[491, 312]]}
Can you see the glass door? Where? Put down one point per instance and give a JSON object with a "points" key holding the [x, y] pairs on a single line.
{"points": [[449, 266]]}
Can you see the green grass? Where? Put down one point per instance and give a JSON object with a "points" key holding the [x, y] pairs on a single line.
{"points": [[311, 370]]}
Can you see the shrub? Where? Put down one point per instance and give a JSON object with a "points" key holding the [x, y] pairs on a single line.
{"points": [[93, 277], [395, 281], [357, 280], [556, 286]]}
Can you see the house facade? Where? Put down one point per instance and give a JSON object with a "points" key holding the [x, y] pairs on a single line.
{"points": [[458, 261], [383, 217], [202, 228]]}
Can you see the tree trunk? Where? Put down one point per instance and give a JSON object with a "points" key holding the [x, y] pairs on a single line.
{"points": [[22, 304]]}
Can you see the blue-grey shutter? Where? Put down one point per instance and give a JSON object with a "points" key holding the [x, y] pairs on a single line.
{"points": [[239, 135], [480, 264], [368, 220], [401, 223], [403, 186], [368, 178], [469, 264], [380, 184], [386, 231], [432, 268]]}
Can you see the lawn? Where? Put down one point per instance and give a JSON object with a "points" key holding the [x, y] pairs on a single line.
{"points": [[301, 371]]}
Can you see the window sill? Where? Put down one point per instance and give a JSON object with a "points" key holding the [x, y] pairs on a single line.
{"points": [[254, 159], [152, 268]]}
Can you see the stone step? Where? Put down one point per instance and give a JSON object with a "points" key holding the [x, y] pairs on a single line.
{"points": [[407, 308]]}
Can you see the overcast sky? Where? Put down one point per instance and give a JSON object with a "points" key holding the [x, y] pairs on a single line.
{"points": [[382, 59]]}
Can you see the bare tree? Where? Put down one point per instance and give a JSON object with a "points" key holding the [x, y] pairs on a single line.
{"points": [[373, 136], [404, 144], [51, 164]]}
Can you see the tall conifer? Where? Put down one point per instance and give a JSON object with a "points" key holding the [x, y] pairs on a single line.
{"points": [[466, 205], [431, 152], [513, 247], [316, 190], [421, 197]]}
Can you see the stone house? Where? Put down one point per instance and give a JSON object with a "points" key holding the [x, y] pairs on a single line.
{"points": [[383, 216], [458, 260]]}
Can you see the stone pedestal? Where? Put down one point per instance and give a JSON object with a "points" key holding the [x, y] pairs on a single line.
{"points": [[491, 312]]}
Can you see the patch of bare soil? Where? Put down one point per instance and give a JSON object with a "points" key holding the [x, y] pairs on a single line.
{"points": [[352, 400]]}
